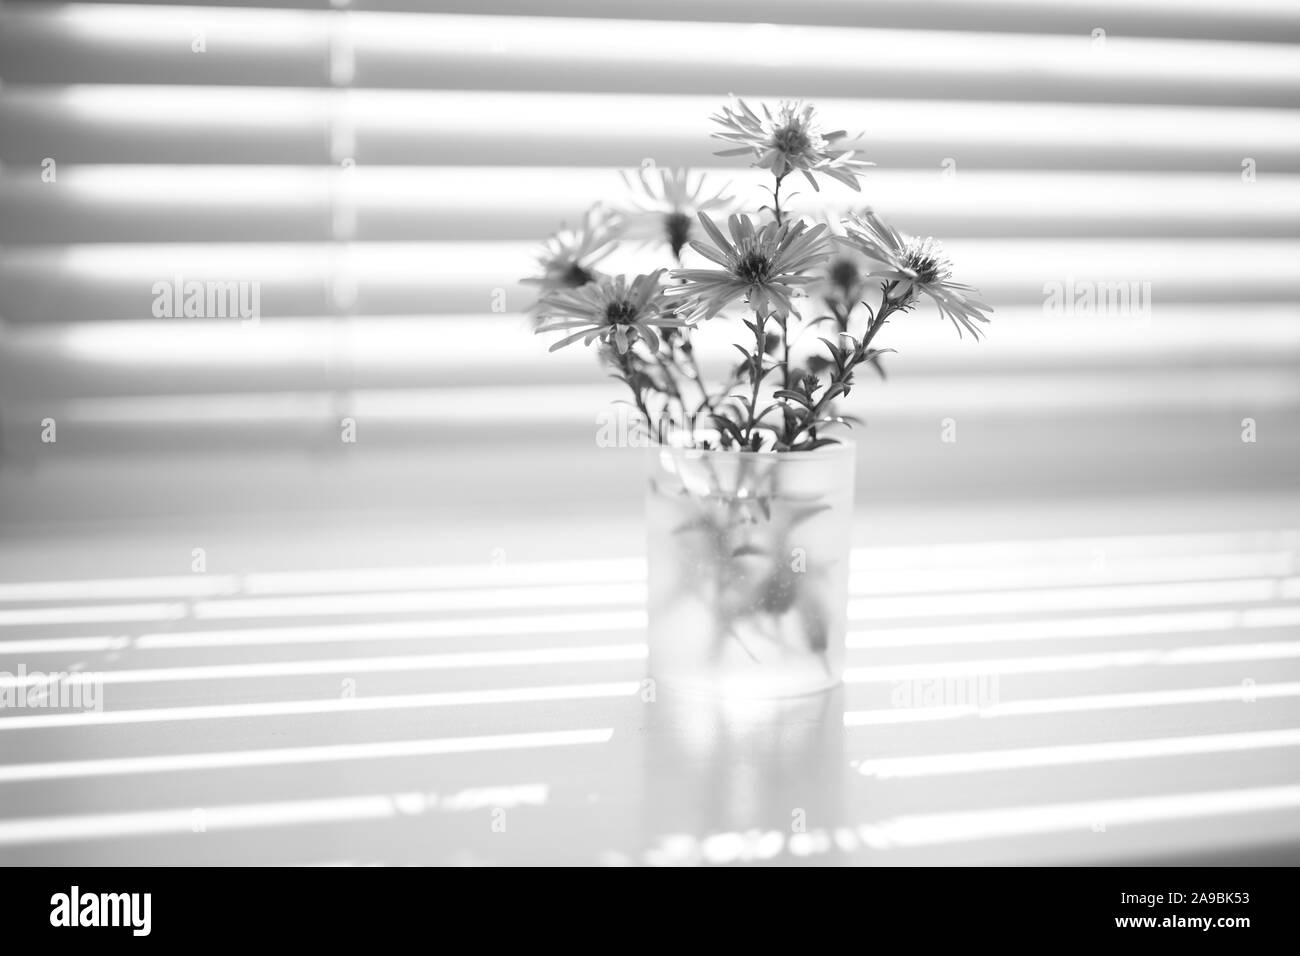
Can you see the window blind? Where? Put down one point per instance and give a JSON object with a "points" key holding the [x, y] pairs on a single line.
{"points": [[381, 173]]}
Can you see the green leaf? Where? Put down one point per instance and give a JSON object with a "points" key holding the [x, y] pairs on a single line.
{"points": [[832, 390], [793, 396], [727, 426]]}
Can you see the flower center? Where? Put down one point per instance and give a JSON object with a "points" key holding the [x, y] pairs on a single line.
{"points": [[754, 267], [678, 227], [620, 312], [844, 273], [925, 257], [574, 276], [791, 139]]}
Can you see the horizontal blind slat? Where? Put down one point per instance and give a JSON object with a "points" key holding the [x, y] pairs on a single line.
{"points": [[169, 124], [40, 363], [1267, 20], [116, 281], [1077, 160], [278, 48], [174, 203]]}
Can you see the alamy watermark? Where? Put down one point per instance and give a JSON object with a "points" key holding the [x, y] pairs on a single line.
{"points": [[54, 690], [1081, 298], [976, 690], [181, 298], [622, 426]]}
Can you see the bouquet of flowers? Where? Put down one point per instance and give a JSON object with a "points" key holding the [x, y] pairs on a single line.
{"points": [[793, 281], [748, 550]]}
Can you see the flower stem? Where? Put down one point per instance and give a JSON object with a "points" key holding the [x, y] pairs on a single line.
{"points": [[638, 395], [785, 339], [785, 373], [693, 367], [785, 354], [776, 199], [756, 373], [672, 388], [697, 376], [881, 315], [859, 355]]}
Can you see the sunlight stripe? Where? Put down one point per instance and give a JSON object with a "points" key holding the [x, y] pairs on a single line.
{"points": [[329, 705], [870, 608], [366, 665], [332, 753], [403, 602], [94, 614], [64, 645], [63, 829], [1266, 551], [1227, 694], [1073, 754], [1055, 663], [399, 630], [940, 828], [1070, 599], [1128, 625], [621, 621], [1064, 663]]}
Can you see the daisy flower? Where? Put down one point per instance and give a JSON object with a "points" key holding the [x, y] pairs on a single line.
{"points": [[914, 267], [568, 259], [665, 204], [787, 140], [764, 265], [610, 309]]}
